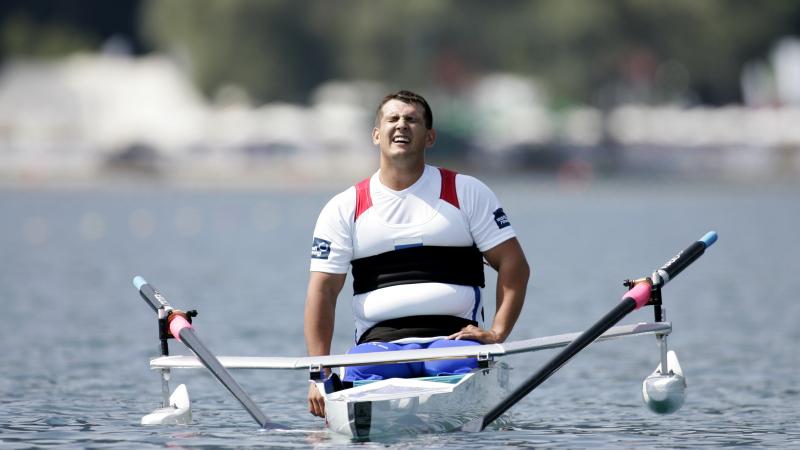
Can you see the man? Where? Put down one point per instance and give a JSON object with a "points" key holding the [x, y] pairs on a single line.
{"points": [[416, 237]]}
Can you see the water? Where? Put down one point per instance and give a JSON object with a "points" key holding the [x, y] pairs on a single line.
{"points": [[76, 338]]}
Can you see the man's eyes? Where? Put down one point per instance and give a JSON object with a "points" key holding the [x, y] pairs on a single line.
{"points": [[396, 118]]}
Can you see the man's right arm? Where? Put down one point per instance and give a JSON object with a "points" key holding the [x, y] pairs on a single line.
{"points": [[323, 289], [320, 312]]}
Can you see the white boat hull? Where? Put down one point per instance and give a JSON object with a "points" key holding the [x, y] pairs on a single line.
{"points": [[419, 405]]}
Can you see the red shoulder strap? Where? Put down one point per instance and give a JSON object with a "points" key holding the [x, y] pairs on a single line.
{"points": [[448, 192], [363, 199]]}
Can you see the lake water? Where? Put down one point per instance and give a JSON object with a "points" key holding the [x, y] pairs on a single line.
{"points": [[76, 338]]}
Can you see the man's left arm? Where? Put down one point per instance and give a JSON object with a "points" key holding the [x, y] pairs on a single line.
{"points": [[513, 272]]}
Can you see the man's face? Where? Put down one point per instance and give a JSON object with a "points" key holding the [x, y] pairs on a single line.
{"points": [[401, 132]]}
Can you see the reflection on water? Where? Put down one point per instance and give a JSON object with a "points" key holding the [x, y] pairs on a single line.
{"points": [[77, 337]]}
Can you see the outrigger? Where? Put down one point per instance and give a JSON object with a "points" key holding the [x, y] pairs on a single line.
{"points": [[466, 402]]}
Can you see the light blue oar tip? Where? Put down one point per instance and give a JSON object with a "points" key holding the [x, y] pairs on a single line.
{"points": [[138, 282], [709, 238]]}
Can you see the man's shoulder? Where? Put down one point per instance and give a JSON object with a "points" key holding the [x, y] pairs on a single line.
{"points": [[470, 183], [460, 176], [344, 202], [343, 199]]}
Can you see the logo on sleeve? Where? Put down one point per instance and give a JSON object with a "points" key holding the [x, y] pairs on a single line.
{"points": [[320, 248], [501, 219]]}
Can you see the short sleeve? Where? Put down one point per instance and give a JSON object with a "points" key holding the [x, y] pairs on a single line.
{"points": [[488, 223], [332, 244]]}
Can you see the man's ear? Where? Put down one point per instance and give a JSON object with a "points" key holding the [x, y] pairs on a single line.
{"points": [[430, 138], [376, 134]]}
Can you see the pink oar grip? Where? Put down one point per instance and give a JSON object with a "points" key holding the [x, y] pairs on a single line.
{"points": [[176, 324], [640, 294]]}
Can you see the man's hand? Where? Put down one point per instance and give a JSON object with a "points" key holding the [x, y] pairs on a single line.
{"points": [[316, 402], [473, 333]]}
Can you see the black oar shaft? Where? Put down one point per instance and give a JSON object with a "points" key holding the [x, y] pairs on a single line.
{"points": [[190, 339], [587, 337], [150, 296], [682, 260]]}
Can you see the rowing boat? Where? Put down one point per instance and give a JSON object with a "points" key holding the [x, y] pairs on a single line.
{"points": [[467, 402], [404, 406]]}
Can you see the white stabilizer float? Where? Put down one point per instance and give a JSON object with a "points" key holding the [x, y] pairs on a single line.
{"points": [[665, 391], [178, 412]]}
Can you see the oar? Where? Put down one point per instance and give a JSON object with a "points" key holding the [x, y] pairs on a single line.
{"points": [[182, 330], [634, 299]]}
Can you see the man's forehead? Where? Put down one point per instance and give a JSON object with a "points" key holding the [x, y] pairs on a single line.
{"points": [[400, 107]]}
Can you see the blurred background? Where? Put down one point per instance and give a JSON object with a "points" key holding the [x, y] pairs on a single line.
{"points": [[194, 142], [267, 92]]}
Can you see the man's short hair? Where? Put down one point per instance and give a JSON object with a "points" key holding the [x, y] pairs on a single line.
{"points": [[410, 98]]}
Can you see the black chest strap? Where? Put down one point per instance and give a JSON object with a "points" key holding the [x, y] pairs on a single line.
{"points": [[414, 326], [423, 264]]}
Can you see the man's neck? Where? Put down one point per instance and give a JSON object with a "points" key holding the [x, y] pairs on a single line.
{"points": [[399, 178]]}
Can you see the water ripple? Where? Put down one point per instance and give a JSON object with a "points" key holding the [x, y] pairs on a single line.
{"points": [[77, 338]]}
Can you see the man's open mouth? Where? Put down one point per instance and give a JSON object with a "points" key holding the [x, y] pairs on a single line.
{"points": [[401, 139]]}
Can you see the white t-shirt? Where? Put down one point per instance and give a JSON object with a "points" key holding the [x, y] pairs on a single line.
{"points": [[411, 217]]}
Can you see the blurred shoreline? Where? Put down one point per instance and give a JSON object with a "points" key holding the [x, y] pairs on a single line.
{"points": [[96, 120], [281, 179]]}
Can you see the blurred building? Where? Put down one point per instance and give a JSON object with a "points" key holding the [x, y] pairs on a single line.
{"points": [[89, 117]]}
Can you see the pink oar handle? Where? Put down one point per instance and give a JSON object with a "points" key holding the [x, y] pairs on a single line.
{"points": [[176, 323], [640, 294]]}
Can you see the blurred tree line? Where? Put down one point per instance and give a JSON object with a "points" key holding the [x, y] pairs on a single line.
{"points": [[582, 51]]}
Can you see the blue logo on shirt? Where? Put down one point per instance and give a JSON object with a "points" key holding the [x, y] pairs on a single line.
{"points": [[320, 248], [501, 219]]}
